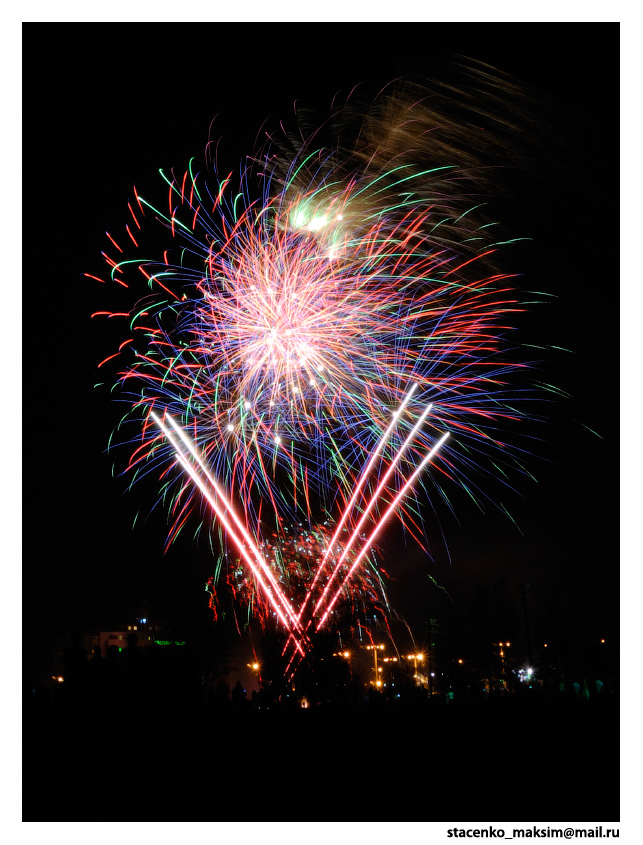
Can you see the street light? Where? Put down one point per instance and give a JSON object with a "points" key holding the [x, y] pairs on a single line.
{"points": [[502, 657], [415, 658], [255, 668], [375, 649]]}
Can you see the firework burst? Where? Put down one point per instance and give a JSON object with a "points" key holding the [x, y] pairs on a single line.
{"points": [[283, 332]]}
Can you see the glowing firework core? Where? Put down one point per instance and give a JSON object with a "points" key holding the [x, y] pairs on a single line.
{"points": [[294, 321]]}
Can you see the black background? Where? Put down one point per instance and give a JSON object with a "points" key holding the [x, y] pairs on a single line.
{"points": [[106, 106]]}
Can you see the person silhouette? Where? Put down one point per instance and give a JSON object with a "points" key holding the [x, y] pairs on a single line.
{"points": [[239, 699]]}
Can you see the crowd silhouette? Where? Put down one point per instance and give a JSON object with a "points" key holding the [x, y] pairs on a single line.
{"points": [[154, 732]]}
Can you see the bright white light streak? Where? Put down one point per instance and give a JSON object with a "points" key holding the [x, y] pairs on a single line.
{"points": [[380, 524], [367, 469], [195, 478], [259, 559], [371, 504], [344, 517], [190, 446]]}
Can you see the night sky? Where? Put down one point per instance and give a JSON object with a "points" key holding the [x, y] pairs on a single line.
{"points": [[149, 103]]}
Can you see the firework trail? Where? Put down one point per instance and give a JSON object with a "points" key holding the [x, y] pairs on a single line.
{"points": [[297, 323]]}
